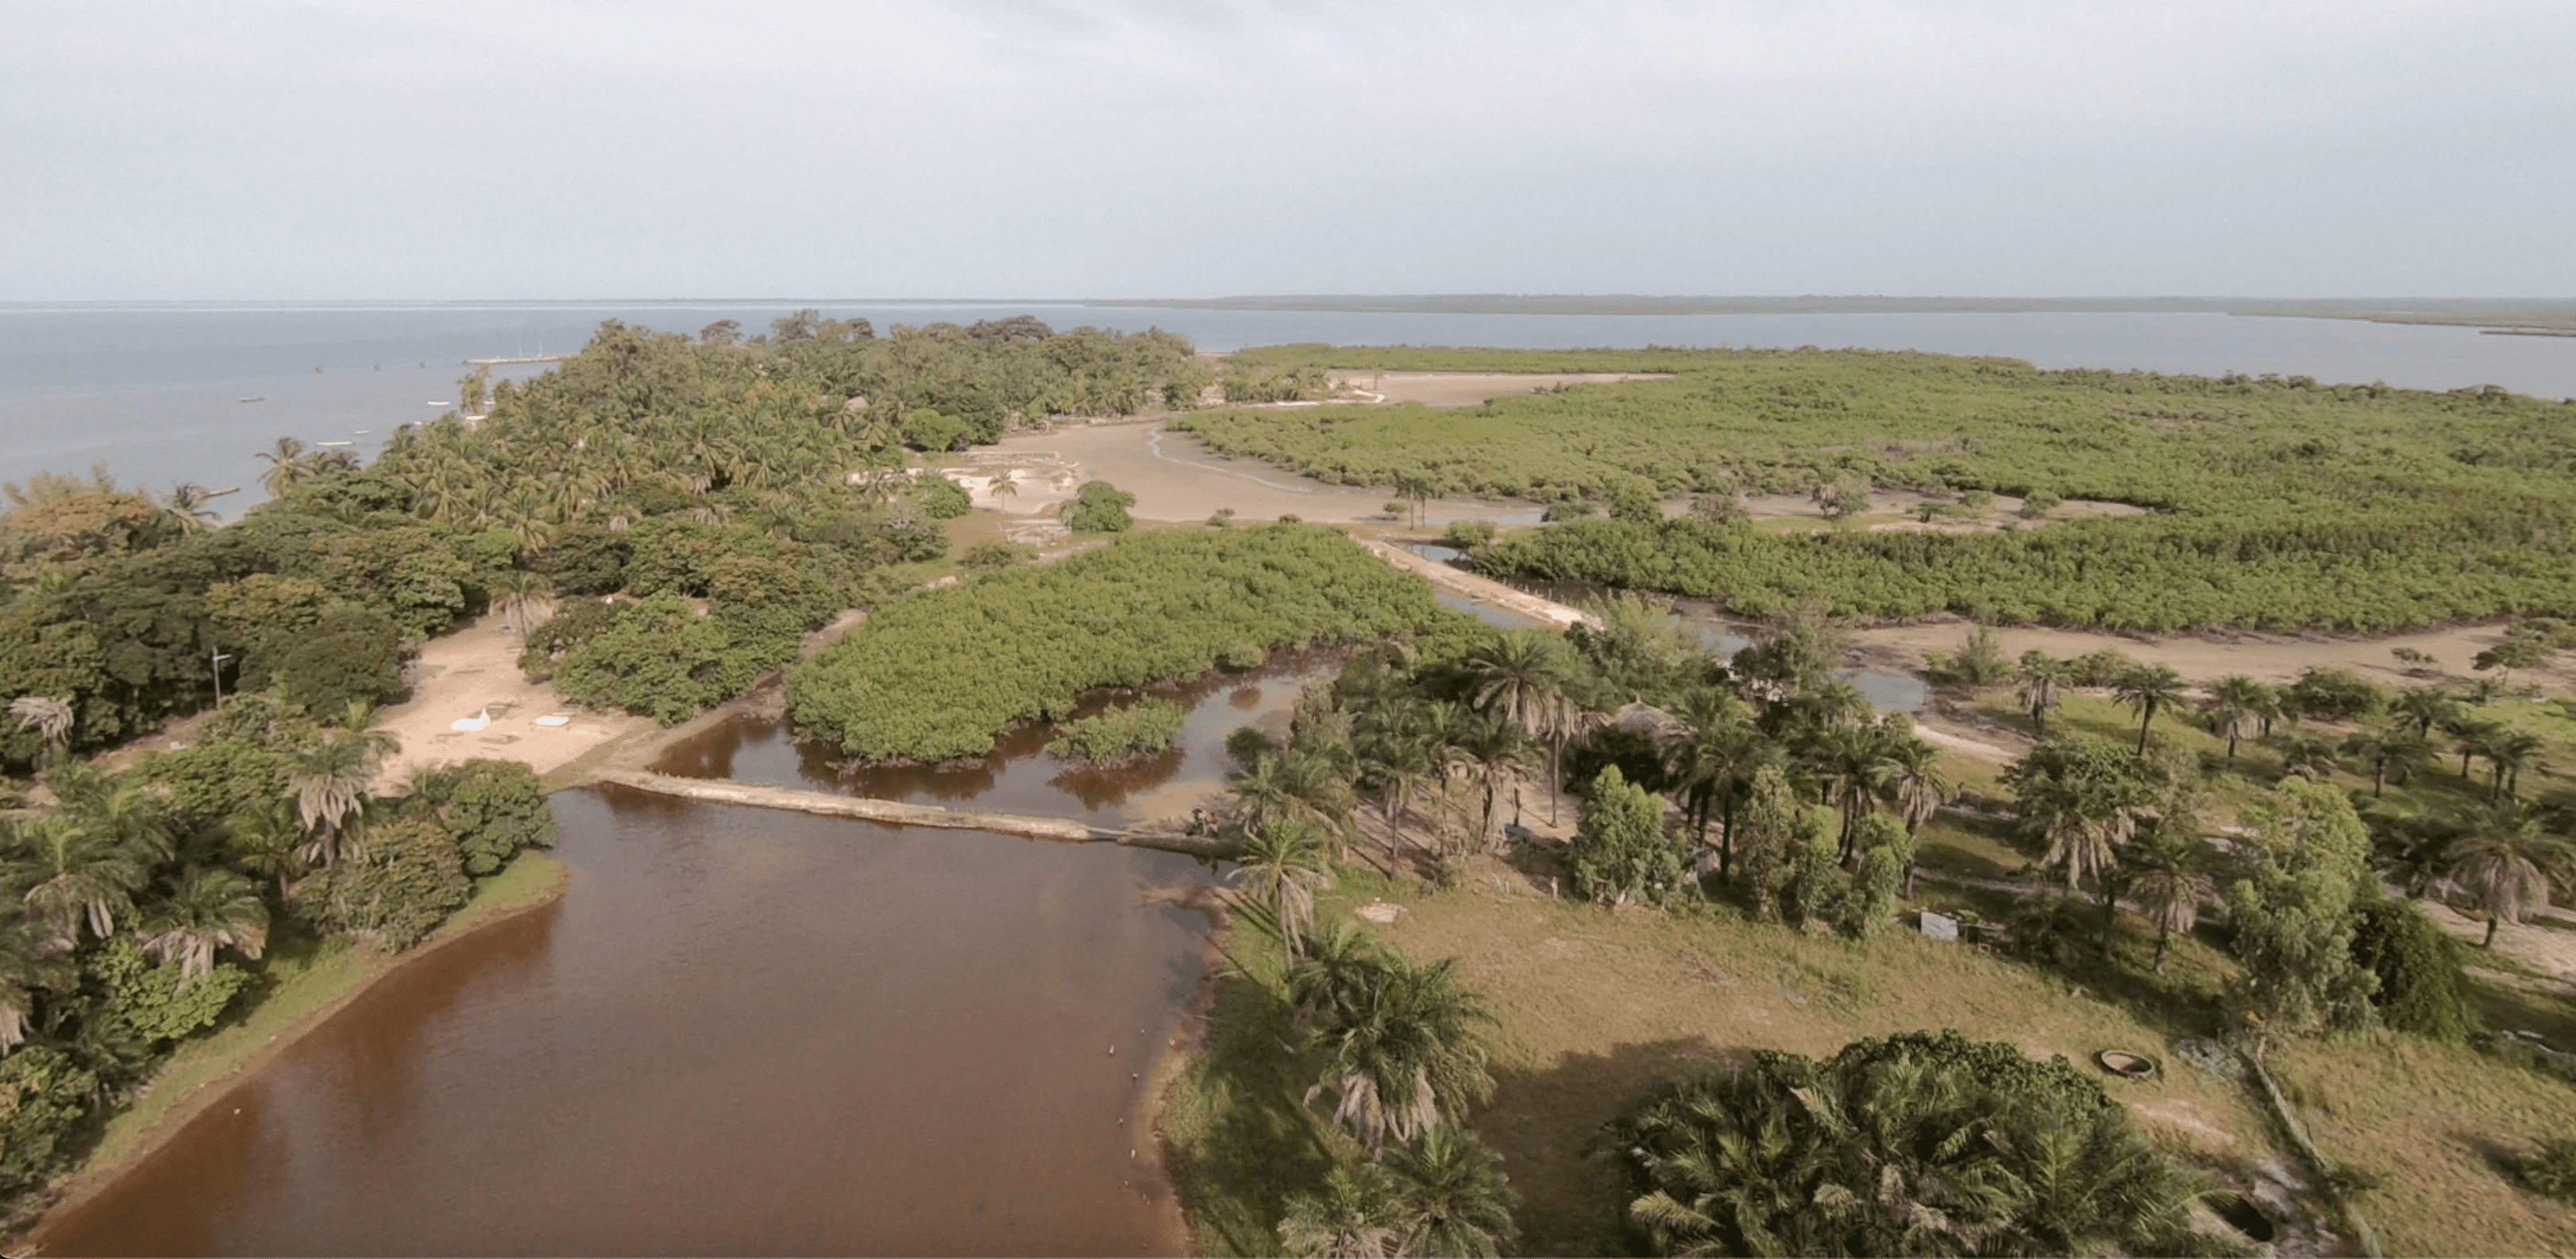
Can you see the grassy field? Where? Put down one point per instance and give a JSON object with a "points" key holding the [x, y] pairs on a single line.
{"points": [[1594, 1006], [2425, 1126], [300, 987]]}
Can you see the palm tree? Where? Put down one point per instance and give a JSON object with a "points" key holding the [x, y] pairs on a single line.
{"points": [[2426, 707], [1913, 779], [2234, 709], [1401, 770], [2040, 677], [2393, 754], [1524, 677], [287, 465], [186, 508], [1356, 1217], [519, 595], [210, 909], [1325, 979], [1454, 1198], [330, 785], [1006, 484], [265, 842], [2508, 754], [2505, 863], [1283, 862], [1405, 1054], [28, 963], [2146, 689], [2167, 887], [75, 873], [1492, 750], [2309, 756], [50, 718]]}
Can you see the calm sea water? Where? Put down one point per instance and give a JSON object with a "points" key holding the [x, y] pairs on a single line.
{"points": [[153, 391]]}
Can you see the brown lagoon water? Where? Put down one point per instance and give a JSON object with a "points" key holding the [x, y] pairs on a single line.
{"points": [[740, 1032]]}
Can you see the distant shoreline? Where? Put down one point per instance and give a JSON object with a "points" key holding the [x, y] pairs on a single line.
{"points": [[2517, 316]]}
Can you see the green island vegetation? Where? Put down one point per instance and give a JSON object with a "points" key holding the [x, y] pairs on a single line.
{"points": [[157, 908], [687, 507], [2269, 503], [1687, 1027], [936, 676], [1148, 727]]}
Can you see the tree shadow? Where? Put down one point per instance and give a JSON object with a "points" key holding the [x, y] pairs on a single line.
{"points": [[1542, 1121], [1250, 1143]]}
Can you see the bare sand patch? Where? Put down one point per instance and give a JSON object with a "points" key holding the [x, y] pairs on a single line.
{"points": [[2203, 658], [475, 672], [1176, 478], [1466, 389]]}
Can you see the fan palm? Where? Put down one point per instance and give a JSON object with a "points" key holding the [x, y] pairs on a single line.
{"points": [[209, 909], [2040, 677], [2234, 709], [330, 785], [50, 718], [2148, 688], [2505, 863]]}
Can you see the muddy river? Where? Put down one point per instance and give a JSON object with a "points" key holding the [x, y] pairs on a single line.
{"points": [[739, 1032]]}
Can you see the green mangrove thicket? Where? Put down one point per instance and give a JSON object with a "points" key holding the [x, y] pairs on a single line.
{"points": [[2271, 503], [936, 676]]}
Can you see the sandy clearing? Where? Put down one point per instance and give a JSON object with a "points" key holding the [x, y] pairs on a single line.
{"points": [[1176, 478], [2202, 658], [476, 669], [1467, 389]]}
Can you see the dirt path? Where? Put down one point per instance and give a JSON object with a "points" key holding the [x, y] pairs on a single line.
{"points": [[2203, 658], [1466, 389]]}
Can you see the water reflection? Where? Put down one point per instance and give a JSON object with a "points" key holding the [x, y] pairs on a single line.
{"points": [[1019, 776], [741, 1032]]}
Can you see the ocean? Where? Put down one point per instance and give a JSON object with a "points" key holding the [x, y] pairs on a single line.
{"points": [[164, 393]]}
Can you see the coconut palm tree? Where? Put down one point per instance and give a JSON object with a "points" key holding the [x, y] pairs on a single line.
{"points": [[1006, 484], [330, 785], [2146, 689], [50, 718], [287, 465], [1283, 863], [1405, 1054], [2235, 708], [521, 596], [2505, 863], [2040, 676], [1452, 1193], [2167, 884], [210, 909], [186, 509]]}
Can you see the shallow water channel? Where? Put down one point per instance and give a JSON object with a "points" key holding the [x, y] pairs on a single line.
{"points": [[741, 1031]]}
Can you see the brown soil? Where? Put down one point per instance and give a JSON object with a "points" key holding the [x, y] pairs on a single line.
{"points": [[476, 670], [2202, 658]]}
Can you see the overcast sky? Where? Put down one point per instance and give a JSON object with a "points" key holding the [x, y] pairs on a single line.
{"points": [[1191, 148]]}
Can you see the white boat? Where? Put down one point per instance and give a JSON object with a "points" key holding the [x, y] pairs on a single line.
{"points": [[332, 443], [364, 431], [439, 404]]}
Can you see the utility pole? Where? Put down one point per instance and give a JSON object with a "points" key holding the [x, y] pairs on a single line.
{"points": [[219, 660]]}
